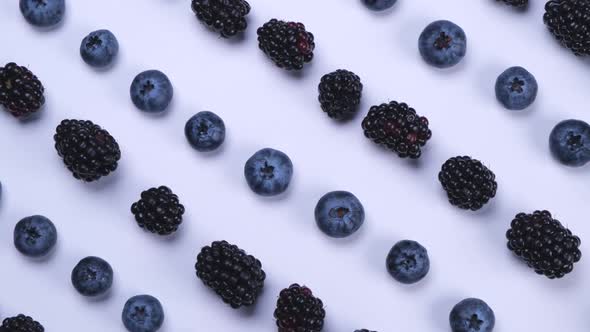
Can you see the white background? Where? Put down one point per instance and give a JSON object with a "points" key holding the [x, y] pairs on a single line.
{"points": [[265, 107]]}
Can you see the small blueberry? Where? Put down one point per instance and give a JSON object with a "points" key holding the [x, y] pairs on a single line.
{"points": [[35, 236], [99, 48], [151, 91], [516, 88], [43, 13], [408, 262], [569, 142], [268, 172], [379, 5], [472, 315], [339, 214], [442, 44], [92, 276], [205, 131], [143, 313]]}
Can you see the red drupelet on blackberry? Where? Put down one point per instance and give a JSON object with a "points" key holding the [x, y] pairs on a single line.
{"points": [[21, 323], [228, 17], [288, 44], [340, 94], [158, 211], [569, 22], [21, 92], [299, 311]]}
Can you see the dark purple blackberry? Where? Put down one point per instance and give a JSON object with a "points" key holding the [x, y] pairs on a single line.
{"points": [[516, 3], [21, 93], [158, 211], [288, 44], [569, 22], [228, 17], [299, 311], [234, 275], [397, 127], [364, 330], [88, 151], [21, 323], [544, 244], [340, 94], [468, 183]]}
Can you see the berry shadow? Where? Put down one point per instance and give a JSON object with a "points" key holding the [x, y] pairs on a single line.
{"points": [[104, 182]]}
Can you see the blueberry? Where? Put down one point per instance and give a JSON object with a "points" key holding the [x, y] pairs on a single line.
{"points": [[516, 88], [268, 172], [151, 91], [92, 276], [379, 4], [99, 48], [408, 262], [442, 44], [339, 214], [570, 142], [472, 315], [43, 13], [143, 313], [205, 131], [35, 236]]}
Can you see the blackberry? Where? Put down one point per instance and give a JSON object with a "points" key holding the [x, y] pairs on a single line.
{"points": [[569, 22], [544, 244], [397, 127], [299, 311], [158, 211], [516, 3], [234, 275], [21, 92], [340, 94], [364, 330], [288, 44], [468, 183], [228, 17], [88, 151], [21, 323]]}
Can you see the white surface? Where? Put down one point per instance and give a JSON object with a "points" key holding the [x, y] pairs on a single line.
{"points": [[264, 106]]}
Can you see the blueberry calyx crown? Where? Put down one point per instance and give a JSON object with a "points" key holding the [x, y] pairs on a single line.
{"points": [[443, 41]]}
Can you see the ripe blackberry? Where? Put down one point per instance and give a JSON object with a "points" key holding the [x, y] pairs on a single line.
{"points": [[468, 183], [228, 17], [397, 127], [364, 330], [234, 275], [544, 244], [88, 151], [340, 94], [299, 311], [20, 90], [158, 211], [516, 3], [288, 44], [21, 323], [569, 22]]}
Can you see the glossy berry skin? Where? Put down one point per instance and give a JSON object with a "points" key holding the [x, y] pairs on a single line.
{"points": [[21, 92], [228, 17], [379, 5], [205, 131], [472, 315], [143, 313], [298, 310], [516, 88], [158, 211], [442, 44], [339, 214], [569, 143], [92, 276], [35, 236], [268, 172], [408, 262], [569, 22], [288, 44], [99, 48], [43, 13], [340, 94], [151, 91], [21, 323]]}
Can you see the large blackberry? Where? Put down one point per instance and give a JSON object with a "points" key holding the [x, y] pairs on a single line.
{"points": [[397, 127], [468, 183], [288, 44], [21, 323], [340, 94], [21, 92], [158, 211], [88, 151], [569, 22], [234, 275], [299, 311], [544, 244], [516, 3], [228, 17]]}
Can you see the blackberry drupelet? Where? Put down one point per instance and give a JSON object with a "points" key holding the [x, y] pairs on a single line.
{"points": [[516, 3], [228, 17], [88, 151], [21, 92], [299, 311], [158, 211], [340, 94], [397, 127], [569, 22], [544, 244], [234, 275], [288, 44], [468, 183], [21, 323]]}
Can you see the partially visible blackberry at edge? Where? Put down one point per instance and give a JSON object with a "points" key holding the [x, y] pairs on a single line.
{"points": [[287, 44], [298, 310], [21, 323], [21, 92], [569, 22], [516, 3], [228, 17]]}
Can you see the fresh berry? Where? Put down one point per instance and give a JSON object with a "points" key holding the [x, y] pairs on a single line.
{"points": [[569, 142], [92, 276], [442, 44], [472, 315], [339, 214], [21, 92], [205, 131], [234, 275], [35, 236], [397, 127], [340, 94], [268, 172], [544, 244], [228, 17], [569, 22], [151, 91], [364, 330], [468, 183], [299, 311], [288, 44], [43, 13], [516, 88], [158, 211], [516, 3], [21, 323], [379, 5], [408, 262], [99, 48], [143, 313]]}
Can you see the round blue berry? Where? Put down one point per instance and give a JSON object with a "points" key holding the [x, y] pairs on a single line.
{"points": [[92, 276], [379, 5], [35, 236], [516, 88], [43, 13], [408, 262], [339, 214], [472, 315], [442, 44], [205, 131], [268, 172], [143, 313], [99, 48], [569, 142], [151, 91]]}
